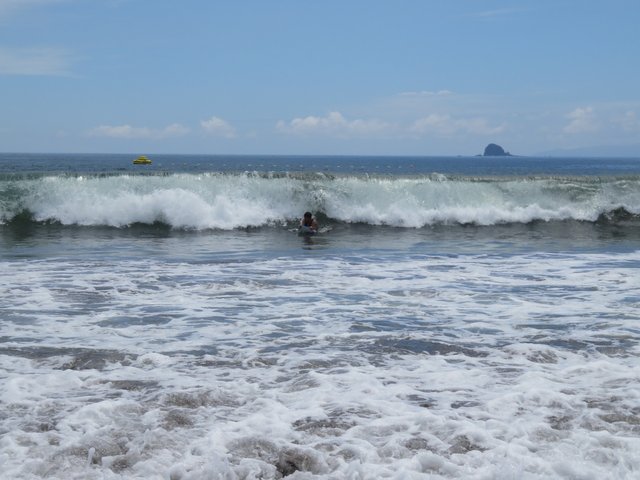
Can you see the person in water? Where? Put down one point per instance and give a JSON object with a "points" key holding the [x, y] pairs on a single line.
{"points": [[309, 222]]}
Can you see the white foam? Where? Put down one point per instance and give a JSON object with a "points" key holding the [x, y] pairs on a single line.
{"points": [[332, 366]]}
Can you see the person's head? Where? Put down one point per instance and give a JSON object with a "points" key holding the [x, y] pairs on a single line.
{"points": [[307, 215]]}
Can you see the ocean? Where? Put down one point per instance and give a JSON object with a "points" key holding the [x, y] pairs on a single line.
{"points": [[456, 317]]}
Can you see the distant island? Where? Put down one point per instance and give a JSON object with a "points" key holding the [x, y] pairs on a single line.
{"points": [[493, 150]]}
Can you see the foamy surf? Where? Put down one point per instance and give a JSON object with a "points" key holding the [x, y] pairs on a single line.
{"points": [[324, 367]]}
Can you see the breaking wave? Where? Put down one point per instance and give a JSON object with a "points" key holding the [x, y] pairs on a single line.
{"points": [[231, 201]]}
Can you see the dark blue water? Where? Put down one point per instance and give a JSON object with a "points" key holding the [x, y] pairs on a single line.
{"points": [[468, 166]]}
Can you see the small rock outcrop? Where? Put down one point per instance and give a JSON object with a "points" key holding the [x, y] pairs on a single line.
{"points": [[493, 150]]}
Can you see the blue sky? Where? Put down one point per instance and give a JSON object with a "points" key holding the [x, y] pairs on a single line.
{"points": [[417, 77]]}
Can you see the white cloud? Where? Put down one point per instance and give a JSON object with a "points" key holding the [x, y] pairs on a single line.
{"points": [[35, 61], [582, 120], [334, 124], [129, 132], [499, 12], [629, 121], [218, 127], [426, 93], [174, 130], [446, 125]]}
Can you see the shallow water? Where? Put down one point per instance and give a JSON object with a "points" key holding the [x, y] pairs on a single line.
{"points": [[363, 353]]}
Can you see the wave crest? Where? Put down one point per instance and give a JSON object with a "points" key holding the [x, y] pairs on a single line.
{"points": [[223, 201]]}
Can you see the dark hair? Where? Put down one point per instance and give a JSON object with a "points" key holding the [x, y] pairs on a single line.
{"points": [[307, 214]]}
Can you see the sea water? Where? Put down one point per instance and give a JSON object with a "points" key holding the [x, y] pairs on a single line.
{"points": [[457, 318]]}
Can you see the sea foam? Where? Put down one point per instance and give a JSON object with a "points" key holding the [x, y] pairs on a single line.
{"points": [[321, 366]]}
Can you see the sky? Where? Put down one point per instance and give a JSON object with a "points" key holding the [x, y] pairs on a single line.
{"points": [[311, 77]]}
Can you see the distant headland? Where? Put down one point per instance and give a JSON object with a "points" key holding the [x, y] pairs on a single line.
{"points": [[493, 150]]}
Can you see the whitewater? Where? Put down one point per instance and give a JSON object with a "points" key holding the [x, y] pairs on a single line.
{"points": [[229, 201], [456, 318]]}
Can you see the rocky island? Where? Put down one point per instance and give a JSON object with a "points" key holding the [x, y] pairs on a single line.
{"points": [[493, 150]]}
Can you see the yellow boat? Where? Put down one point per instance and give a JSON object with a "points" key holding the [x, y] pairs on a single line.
{"points": [[142, 160]]}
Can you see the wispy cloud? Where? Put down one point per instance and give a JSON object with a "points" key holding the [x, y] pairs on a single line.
{"points": [[333, 124], [582, 120], [629, 121], [426, 93], [32, 60], [216, 126], [129, 132], [11, 6], [498, 12], [446, 125], [437, 125], [46, 61]]}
